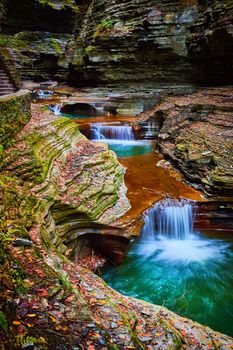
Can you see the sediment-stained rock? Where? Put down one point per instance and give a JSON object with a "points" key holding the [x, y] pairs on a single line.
{"points": [[197, 135]]}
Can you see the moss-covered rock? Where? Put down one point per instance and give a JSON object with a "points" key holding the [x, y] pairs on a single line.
{"points": [[78, 183], [15, 112]]}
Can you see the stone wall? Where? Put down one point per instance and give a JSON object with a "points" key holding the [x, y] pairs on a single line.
{"points": [[15, 112], [151, 42]]}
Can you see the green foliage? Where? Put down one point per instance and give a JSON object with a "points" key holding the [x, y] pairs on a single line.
{"points": [[22, 340], [55, 45], [104, 28], [14, 42], [89, 49], [3, 322]]}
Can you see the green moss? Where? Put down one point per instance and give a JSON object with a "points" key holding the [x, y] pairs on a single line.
{"points": [[181, 147], [14, 41], [3, 322], [55, 45], [90, 49], [15, 112], [64, 3], [104, 28]]}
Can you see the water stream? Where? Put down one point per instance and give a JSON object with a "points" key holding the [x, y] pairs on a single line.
{"points": [[102, 131], [175, 265], [121, 139], [56, 109]]}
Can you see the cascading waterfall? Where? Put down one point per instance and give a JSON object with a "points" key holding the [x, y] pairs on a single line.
{"points": [[170, 219], [112, 132], [44, 93], [56, 109], [176, 266]]}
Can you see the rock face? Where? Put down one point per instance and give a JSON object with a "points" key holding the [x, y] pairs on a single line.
{"points": [[74, 185], [197, 135], [149, 42], [210, 43], [38, 33], [137, 42], [122, 41]]}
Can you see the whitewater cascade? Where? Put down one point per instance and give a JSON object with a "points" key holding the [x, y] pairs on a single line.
{"points": [[171, 219], [56, 109], [112, 132], [44, 93]]}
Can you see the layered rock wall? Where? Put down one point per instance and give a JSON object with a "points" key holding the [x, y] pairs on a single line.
{"points": [[121, 42], [150, 42], [197, 135], [75, 184], [38, 33]]}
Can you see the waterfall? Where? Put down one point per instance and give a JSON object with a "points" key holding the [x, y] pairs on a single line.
{"points": [[171, 219], [112, 132], [56, 109], [44, 93]]}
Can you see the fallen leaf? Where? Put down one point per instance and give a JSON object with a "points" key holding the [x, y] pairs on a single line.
{"points": [[53, 319], [31, 315], [42, 292], [16, 323]]}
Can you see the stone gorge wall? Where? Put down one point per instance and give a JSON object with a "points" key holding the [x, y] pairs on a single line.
{"points": [[197, 136], [38, 33], [210, 43], [141, 41], [158, 41], [63, 181], [121, 41]]}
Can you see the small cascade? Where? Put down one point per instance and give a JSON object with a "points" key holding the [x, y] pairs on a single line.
{"points": [[112, 132], [170, 219], [56, 109], [44, 93]]}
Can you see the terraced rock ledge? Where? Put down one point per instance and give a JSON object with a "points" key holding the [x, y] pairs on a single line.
{"points": [[197, 136]]}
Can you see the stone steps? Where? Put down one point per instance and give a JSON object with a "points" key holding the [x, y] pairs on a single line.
{"points": [[6, 86]]}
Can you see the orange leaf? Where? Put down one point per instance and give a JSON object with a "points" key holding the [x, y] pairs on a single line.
{"points": [[16, 323], [42, 292], [158, 334], [29, 325], [32, 315], [53, 319]]}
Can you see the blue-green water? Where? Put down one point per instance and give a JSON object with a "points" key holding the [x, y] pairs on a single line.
{"points": [[191, 277], [129, 148]]}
